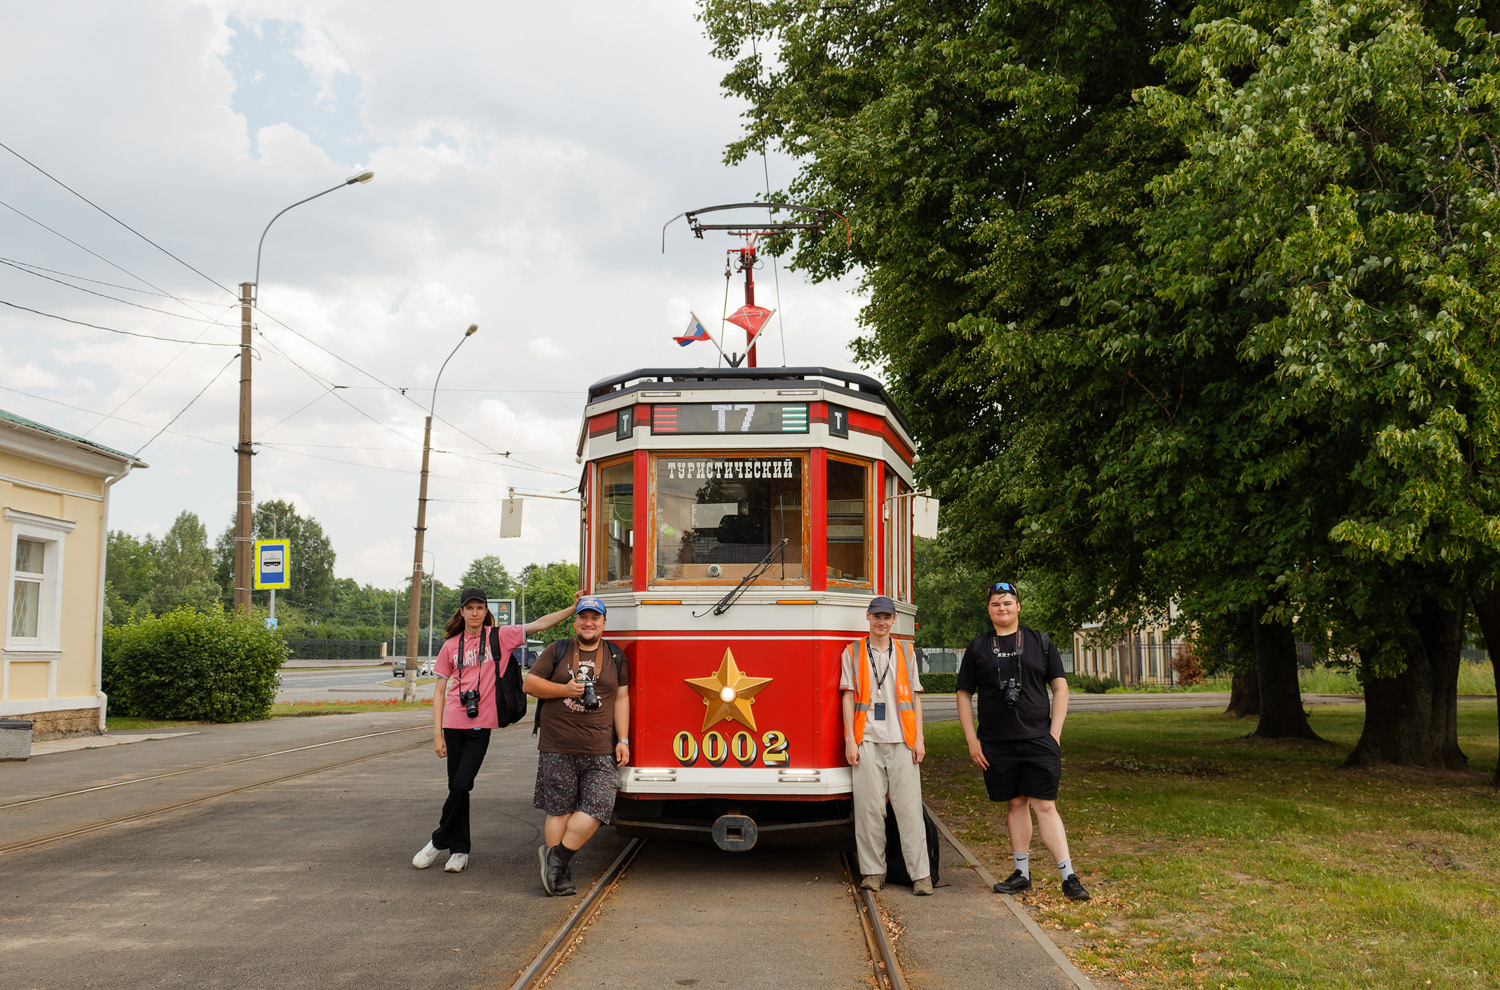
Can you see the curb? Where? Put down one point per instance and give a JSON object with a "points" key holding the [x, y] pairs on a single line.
{"points": [[1072, 972]]}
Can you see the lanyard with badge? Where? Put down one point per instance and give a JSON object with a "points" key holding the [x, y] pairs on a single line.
{"points": [[878, 712]]}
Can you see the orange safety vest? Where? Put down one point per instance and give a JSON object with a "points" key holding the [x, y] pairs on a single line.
{"points": [[906, 706]]}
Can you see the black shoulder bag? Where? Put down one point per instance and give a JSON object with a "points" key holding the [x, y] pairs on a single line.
{"points": [[510, 700]]}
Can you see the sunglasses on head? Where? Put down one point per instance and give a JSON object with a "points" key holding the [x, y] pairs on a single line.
{"points": [[1003, 586]]}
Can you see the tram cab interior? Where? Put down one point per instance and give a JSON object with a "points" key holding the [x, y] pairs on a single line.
{"points": [[736, 523]]}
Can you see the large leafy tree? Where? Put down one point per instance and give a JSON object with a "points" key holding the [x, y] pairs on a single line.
{"points": [[184, 571], [547, 588], [1187, 302]]}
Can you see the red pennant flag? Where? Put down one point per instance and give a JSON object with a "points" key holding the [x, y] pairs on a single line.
{"points": [[752, 318]]}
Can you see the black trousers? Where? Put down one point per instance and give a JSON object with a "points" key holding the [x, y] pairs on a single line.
{"points": [[466, 749]]}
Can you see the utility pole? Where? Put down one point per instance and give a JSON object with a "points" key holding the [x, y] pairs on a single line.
{"points": [[246, 498]]}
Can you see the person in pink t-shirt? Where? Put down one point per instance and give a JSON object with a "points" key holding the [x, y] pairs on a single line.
{"points": [[463, 716]]}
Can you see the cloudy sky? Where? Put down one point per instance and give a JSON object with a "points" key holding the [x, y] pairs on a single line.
{"points": [[526, 158]]}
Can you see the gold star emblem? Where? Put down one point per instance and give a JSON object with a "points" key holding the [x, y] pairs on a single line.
{"points": [[728, 694]]}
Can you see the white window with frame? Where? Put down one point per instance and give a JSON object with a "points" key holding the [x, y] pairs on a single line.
{"points": [[33, 619]]}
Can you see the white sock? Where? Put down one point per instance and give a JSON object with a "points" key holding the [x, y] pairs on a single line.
{"points": [[1023, 863], [1066, 867]]}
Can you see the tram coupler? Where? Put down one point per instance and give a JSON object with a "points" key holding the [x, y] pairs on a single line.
{"points": [[735, 833]]}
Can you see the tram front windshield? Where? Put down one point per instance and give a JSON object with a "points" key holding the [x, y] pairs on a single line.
{"points": [[719, 516]]}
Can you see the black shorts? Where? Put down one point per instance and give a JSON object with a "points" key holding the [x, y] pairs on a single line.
{"points": [[1022, 767], [566, 783]]}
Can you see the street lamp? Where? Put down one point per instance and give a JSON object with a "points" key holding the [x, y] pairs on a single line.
{"points": [[415, 614], [244, 497]]}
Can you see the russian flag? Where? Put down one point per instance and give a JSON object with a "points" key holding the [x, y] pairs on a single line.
{"points": [[695, 332]]}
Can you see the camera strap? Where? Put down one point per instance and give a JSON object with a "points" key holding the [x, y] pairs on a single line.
{"points": [[1020, 647]]}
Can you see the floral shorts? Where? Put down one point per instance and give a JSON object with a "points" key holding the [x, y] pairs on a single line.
{"points": [[566, 783]]}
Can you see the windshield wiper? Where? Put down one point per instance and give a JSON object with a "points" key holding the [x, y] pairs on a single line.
{"points": [[746, 581]]}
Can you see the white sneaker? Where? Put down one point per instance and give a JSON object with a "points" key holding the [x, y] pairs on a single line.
{"points": [[427, 856], [457, 862]]}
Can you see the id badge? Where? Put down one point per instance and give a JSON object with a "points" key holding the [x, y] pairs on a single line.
{"points": [[880, 711]]}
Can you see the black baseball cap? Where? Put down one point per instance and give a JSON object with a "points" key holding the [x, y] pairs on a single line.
{"points": [[473, 594]]}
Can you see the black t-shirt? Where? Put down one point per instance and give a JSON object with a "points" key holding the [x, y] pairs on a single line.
{"points": [[981, 672]]}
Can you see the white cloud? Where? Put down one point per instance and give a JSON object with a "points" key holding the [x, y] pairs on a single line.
{"points": [[509, 192]]}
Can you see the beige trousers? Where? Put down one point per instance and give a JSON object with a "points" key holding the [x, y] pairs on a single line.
{"points": [[886, 768]]}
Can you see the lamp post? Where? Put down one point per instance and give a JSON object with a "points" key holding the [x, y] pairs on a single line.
{"points": [[414, 615], [244, 496]]}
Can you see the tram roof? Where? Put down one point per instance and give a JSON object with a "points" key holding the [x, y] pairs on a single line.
{"points": [[849, 382]]}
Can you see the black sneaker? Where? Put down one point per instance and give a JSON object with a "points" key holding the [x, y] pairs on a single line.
{"points": [[1073, 887], [562, 882], [549, 868], [1016, 883]]}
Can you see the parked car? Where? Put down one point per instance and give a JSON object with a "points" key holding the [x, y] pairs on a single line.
{"points": [[425, 670], [398, 669]]}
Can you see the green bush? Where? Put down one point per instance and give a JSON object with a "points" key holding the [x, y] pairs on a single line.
{"points": [[1091, 683], [935, 683], [211, 666]]}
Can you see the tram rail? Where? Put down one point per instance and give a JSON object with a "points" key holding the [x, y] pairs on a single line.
{"points": [[885, 967], [159, 809]]}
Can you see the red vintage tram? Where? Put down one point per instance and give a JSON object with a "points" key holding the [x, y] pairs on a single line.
{"points": [[737, 522]]}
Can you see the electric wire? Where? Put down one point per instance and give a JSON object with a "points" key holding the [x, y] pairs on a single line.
{"points": [[185, 408], [127, 302], [116, 219], [126, 333], [95, 412], [113, 285]]}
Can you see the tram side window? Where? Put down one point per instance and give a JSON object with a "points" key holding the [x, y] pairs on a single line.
{"points": [[616, 517], [717, 517], [848, 522]]}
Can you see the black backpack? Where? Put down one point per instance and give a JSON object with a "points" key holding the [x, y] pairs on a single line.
{"points": [[895, 864], [617, 654], [510, 700]]}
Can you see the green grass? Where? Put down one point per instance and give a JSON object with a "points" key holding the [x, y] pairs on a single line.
{"points": [[1473, 679], [1220, 861], [121, 723]]}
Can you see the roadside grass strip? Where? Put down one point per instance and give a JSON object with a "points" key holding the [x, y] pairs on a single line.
{"points": [[297, 709], [1220, 861]]}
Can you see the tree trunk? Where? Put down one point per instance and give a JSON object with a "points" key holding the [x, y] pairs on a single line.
{"points": [[1281, 713], [1411, 719], [1244, 695], [1487, 609]]}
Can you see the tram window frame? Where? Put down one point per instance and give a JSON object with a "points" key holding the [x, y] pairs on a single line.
{"points": [[730, 573], [867, 580], [602, 516], [898, 537]]}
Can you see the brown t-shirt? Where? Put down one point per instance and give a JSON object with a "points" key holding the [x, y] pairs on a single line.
{"points": [[568, 727]]}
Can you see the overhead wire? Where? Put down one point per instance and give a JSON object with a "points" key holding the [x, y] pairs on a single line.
{"points": [[127, 333], [328, 386], [127, 302], [113, 285], [185, 408], [116, 219]]}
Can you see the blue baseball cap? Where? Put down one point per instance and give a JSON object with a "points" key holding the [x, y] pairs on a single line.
{"points": [[880, 603], [589, 603]]}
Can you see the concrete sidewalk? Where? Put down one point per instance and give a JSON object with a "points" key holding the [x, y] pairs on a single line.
{"points": [[307, 882]]}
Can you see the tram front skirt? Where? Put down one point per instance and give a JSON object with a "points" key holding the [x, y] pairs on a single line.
{"points": [[740, 825]]}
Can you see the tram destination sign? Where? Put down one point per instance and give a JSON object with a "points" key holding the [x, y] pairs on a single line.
{"points": [[712, 418]]}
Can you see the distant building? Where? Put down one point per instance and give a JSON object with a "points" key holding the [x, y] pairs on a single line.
{"points": [[1143, 656], [54, 524]]}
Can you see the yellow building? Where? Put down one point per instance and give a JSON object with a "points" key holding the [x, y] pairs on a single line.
{"points": [[54, 521]]}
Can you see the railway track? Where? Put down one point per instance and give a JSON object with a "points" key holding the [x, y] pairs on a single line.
{"points": [[885, 968], [172, 801]]}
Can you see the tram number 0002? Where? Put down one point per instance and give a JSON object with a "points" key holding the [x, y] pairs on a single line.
{"points": [[742, 746]]}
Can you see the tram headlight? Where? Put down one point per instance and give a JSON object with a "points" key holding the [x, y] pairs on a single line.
{"points": [[726, 694]]}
